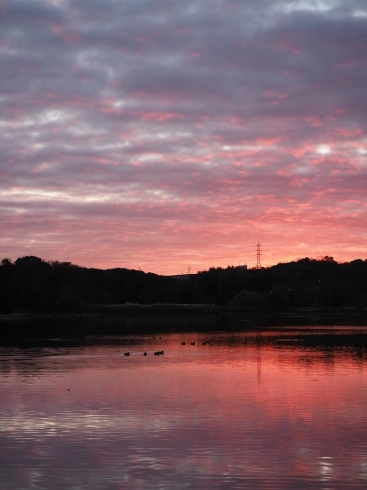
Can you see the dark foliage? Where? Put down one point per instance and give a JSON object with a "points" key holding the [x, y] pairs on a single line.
{"points": [[31, 284], [321, 283]]}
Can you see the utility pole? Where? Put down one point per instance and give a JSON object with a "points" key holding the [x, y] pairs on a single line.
{"points": [[258, 256]]}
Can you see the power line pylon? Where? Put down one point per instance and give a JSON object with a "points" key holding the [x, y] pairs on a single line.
{"points": [[258, 256]]}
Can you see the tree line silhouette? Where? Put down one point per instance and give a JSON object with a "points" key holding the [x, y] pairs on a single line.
{"points": [[30, 284]]}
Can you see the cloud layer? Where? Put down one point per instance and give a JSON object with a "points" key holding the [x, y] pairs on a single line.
{"points": [[161, 134]]}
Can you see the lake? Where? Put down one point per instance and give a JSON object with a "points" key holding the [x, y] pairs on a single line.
{"points": [[257, 407]]}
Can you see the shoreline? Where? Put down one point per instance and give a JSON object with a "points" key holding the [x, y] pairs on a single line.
{"points": [[209, 309]]}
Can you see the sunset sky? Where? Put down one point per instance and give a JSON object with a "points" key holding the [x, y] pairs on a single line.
{"points": [[164, 134]]}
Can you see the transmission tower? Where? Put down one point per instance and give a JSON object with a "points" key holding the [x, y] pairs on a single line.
{"points": [[258, 256]]}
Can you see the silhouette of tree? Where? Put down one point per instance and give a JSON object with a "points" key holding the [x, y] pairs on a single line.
{"points": [[32, 284]]}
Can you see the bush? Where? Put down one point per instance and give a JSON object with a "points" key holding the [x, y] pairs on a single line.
{"points": [[247, 299]]}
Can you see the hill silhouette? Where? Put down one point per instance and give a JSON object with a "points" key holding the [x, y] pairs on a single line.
{"points": [[31, 284]]}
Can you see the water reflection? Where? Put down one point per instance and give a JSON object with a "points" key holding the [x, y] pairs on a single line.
{"points": [[273, 408]]}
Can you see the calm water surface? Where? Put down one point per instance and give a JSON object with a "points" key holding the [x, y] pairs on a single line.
{"points": [[272, 409]]}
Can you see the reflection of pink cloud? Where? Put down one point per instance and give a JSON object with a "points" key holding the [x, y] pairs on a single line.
{"points": [[254, 411]]}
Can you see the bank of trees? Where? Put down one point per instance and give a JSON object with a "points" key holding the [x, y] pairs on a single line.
{"points": [[32, 284]]}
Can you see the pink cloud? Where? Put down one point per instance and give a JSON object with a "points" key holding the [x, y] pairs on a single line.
{"points": [[119, 145]]}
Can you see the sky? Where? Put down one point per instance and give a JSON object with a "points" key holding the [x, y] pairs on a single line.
{"points": [[174, 135]]}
